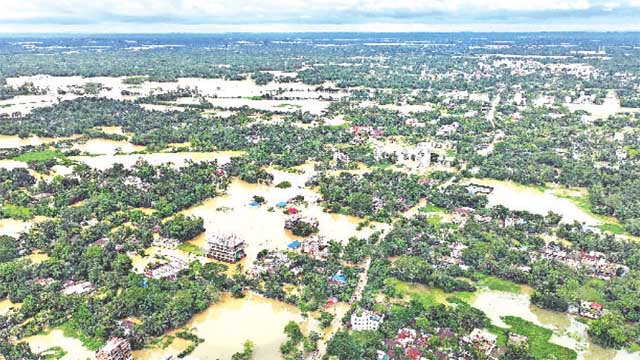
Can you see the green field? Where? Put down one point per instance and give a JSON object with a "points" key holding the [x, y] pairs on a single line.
{"points": [[43, 155]]}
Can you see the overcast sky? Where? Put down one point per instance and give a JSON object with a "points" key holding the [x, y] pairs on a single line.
{"points": [[18, 16]]}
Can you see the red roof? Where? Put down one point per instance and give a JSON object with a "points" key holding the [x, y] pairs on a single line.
{"points": [[596, 306], [292, 211], [413, 352]]}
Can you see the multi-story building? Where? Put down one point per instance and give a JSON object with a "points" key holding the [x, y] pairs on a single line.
{"points": [[364, 320], [115, 349], [227, 248]]}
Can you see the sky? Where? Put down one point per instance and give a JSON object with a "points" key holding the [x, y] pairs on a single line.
{"points": [[152, 16]]}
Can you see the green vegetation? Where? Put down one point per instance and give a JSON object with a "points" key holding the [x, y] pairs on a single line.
{"points": [[71, 330], [44, 155], [16, 212], [494, 283], [538, 340]]}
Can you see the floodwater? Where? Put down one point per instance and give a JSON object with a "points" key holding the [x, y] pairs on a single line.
{"points": [[73, 347], [263, 226], [225, 93], [14, 141], [178, 159], [12, 164], [6, 305], [107, 147], [519, 197], [225, 326], [568, 331], [12, 227]]}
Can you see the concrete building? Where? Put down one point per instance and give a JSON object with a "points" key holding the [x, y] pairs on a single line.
{"points": [[227, 248], [115, 349], [364, 320]]}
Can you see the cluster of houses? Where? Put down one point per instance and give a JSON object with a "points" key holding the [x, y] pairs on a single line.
{"points": [[366, 131], [271, 262], [115, 349], [455, 256], [296, 218], [167, 271], [414, 344], [316, 247], [595, 263], [227, 248], [421, 155]]}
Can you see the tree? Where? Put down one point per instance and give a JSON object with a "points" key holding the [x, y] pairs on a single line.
{"points": [[8, 248]]}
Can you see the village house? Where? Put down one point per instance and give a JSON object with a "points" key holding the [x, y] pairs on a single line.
{"points": [[316, 247], [167, 271], [588, 309], [365, 320], [474, 189], [227, 248], [455, 257], [517, 339], [126, 326], [115, 349], [460, 214], [292, 221], [481, 340], [269, 263], [71, 287]]}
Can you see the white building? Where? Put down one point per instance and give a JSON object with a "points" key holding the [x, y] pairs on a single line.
{"points": [[363, 320]]}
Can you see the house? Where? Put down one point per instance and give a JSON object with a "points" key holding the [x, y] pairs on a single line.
{"points": [[591, 310], [292, 211], [115, 349], [167, 271], [338, 278], [268, 263], [294, 245], [517, 339], [126, 326], [331, 302], [71, 287], [227, 248], [316, 247], [365, 320], [481, 340], [474, 189]]}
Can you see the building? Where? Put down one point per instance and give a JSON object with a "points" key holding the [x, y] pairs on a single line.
{"points": [[227, 248], [168, 271], [482, 340], [365, 320], [115, 349], [591, 310], [71, 287]]}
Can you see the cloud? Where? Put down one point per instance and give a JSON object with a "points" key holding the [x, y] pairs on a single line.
{"points": [[180, 13]]}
